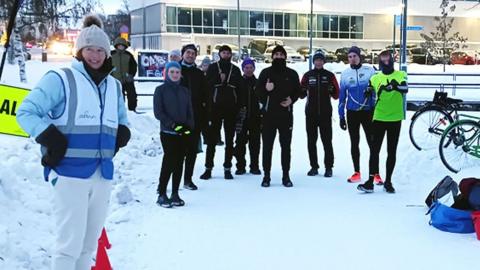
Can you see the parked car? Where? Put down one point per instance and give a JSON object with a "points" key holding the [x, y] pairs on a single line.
{"points": [[256, 55], [342, 55], [235, 54], [305, 50], [423, 56], [461, 58], [292, 55], [261, 44]]}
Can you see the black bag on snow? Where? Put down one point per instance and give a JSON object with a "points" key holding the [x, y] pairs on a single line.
{"points": [[445, 186]]}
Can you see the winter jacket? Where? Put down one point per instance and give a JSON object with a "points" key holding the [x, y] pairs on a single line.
{"points": [[318, 86], [353, 84], [286, 84], [97, 111], [229, 94], [195, 81], [172, 105], [252, 103], [125, 66]]}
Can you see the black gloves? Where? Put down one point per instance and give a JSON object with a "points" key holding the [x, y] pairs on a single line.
{"points": [[55, 143], [181, 129], [343, 124], [368, 92], [331, 89], [123, 136]]}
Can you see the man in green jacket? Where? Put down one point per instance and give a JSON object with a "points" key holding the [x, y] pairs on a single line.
{"points": [[125, 69]]}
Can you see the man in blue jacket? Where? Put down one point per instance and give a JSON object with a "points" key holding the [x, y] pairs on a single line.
{"points": [[358, 98]]}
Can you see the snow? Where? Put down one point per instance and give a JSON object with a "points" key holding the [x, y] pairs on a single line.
{"points": [[319, 223]]}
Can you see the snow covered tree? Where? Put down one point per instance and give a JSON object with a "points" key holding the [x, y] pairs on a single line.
{"points": [[441, 42]]}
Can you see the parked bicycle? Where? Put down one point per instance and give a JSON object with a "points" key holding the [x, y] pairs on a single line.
{"points": [[459, 145], [430, 121]]}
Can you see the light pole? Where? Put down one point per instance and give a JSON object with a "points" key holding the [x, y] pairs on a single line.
{"points": [[311, 36], [238, 29], [403, 63]]}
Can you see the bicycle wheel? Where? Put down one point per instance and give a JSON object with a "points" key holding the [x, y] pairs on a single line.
{"points": [[427, 127], [460, 145]]}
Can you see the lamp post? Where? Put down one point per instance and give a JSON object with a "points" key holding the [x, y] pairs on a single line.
{"points": [[403, 58], [311, 36]]}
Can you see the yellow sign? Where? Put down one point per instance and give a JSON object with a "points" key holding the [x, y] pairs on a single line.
{"points": [[124, 35], [10, 99]]}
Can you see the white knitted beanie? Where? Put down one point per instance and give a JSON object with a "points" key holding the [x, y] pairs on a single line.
{"points": [[92, 34]]}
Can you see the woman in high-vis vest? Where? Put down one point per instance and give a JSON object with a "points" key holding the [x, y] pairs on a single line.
{"points": [[390, 87], [78, 116]]}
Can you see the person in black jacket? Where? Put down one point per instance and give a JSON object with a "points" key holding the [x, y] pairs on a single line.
{"points": [[319, 86], [248, 124], [125, 70], [225, 83], [195, 81], [278, 87], [172, 105]]}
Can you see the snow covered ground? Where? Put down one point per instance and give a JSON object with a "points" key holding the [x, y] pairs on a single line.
{"points": [[319, 223]]}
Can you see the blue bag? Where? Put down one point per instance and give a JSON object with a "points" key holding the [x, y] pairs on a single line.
{"points": [[449, 219]]}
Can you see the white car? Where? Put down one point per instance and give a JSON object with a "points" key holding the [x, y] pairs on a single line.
{"points": [[292, 55]]}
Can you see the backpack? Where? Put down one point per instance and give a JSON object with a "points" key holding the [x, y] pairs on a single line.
{"points": [[445, 186], [449, 219]]}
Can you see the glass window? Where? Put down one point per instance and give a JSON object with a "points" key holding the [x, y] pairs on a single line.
{"points": [[323, 26], [197, 20], [345, 27], [184, 16], [207, 21], [356, 24], [290, 24], [333, 26], [171, 19], [257, 25], [268, 24], [220, 21], [302, 25], [278, 24]]}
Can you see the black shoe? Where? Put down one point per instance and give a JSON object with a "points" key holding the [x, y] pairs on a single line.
{"points": [[228, 174], [190, 186], [220, 143], [240, 171], [286, 181], [266, 181], [366, 187], [164, 201], [206, 175], [255, 171], [312, 172], [388, 187], [328, 172], [177, 201]]}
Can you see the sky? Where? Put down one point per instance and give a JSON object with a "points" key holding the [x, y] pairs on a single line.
{"points": [[111, 6]]}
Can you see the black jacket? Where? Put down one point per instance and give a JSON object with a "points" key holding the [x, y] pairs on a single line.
{"points": [[286, 84], [251, 100], [228, 95], [319, 85], [193, 79], [172, 104]]}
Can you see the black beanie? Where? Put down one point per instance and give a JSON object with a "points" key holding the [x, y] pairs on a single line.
{"points": [[189, 47], [279, 48], [355, 50], [225, 48], [319, 55]]}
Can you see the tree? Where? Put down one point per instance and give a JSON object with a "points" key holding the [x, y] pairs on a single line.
{"points": [[440, 42]]}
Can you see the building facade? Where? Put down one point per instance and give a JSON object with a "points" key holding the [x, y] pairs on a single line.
{"points": [[166, 24]]}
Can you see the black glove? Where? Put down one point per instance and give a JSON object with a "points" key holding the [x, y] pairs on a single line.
{"points": [[55, 143], [123, 136], [394, 84], [343, 124], [331, 89], [368, 92], [181, 129]]}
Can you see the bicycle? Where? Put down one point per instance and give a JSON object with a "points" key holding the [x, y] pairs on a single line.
{"points": [[459, 145], [430, 121]]}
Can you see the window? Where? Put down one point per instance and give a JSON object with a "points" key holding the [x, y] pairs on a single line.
{"points": [[356, 27], [333, 26], [184, 20], [302, 25], [207, 21], [323, 26], [290, 24], [345, 27], [197, 20], [268, 24], [257, 26], [220, 21], [278, 24], [171, 19]]}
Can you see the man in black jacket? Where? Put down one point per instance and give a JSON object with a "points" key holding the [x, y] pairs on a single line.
{"points": [[278, 87], [193, 79], [226, 96], [319, 86], [248, 123]]}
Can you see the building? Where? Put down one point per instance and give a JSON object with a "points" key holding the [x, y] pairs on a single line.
{"points": [[167, 24]]}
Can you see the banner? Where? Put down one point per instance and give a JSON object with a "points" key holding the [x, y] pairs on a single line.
{"points": [[10, 99], [152, 63]]}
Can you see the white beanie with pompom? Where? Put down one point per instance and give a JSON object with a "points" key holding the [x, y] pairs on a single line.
{"points": [[92, 34]]}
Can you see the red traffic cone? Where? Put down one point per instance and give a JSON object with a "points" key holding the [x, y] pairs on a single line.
{"points": [[104, 239], [476, 222], [102, 262]]}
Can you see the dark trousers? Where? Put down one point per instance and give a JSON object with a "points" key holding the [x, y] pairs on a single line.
{"points": [[250, 134], [393, 133], [131, 94], [174, 149], [228, 117], [191, 155], [315, 124], [355, 119], [269, 132]]}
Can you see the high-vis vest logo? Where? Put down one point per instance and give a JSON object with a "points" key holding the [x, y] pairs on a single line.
{"points": [[10, 99]]}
